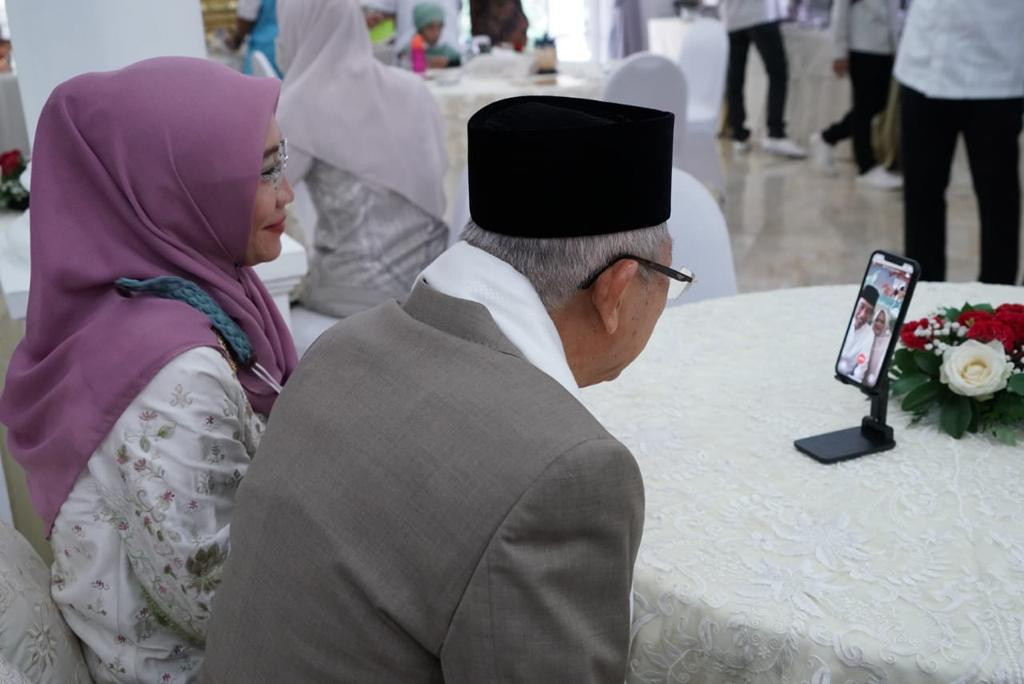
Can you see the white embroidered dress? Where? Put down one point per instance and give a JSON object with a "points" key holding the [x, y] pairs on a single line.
{"points": [[140, 543]]}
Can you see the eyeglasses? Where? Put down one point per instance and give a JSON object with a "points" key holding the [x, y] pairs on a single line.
{"points": [[678, 281], [275, 174]]}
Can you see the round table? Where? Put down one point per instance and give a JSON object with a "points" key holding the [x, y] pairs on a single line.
{"points": [[459, 95], [761, 565]]}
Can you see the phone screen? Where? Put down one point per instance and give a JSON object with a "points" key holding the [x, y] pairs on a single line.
{"points": [[878, 313]]}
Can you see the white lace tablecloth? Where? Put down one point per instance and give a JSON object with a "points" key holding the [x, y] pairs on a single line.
{"points": [[760, 565], [460, 95]]}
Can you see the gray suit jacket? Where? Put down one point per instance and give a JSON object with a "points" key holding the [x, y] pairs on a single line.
{"points": [[426, 506]]}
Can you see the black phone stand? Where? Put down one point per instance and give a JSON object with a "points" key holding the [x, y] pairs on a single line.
{"points": [[872, 436]]}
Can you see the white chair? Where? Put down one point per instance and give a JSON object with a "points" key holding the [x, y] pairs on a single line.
{"points": [[261, 65], [35, 643], [649, 80], [460, 214], [306, 325], [703, 56], [700, 239]]}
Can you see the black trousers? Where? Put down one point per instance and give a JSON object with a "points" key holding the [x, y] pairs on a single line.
{"points": [[767, 38], [991, 128], [869, 79]]}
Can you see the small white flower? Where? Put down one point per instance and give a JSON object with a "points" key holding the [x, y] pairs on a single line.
{"points": [[962, 332], [975, 370], [929, 346]]}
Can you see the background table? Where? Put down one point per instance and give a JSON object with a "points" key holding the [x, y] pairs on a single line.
{"points": [[460, 95], [760, 565]]}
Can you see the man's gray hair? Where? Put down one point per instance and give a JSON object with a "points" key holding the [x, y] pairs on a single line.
{"points": [[556, 267]]}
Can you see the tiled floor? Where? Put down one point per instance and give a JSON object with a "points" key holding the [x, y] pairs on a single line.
{"points": [[792, 226]]}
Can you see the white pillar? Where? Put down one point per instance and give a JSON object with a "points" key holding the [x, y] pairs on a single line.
{"points": [[57, 39]]}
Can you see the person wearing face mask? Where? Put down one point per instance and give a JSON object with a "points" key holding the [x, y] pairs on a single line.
{"points": [[152, 353], [434, 489]]}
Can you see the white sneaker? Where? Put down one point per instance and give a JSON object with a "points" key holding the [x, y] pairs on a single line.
{"points": [[783, 147], [823, 155], [881, 179], [740, 146]]}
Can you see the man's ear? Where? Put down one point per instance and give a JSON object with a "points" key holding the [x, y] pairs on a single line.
{"points": [[609, 291]]}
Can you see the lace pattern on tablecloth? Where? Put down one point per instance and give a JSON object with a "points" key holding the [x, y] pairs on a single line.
{"points": [[760, 565]]}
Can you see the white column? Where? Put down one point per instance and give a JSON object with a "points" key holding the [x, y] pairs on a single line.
{"points": [[57, 39]]}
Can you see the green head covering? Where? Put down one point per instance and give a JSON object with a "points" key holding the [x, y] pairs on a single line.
{"points": [[426, 13]]}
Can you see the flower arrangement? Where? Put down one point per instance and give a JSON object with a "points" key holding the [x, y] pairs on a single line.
{"points": [[13, 194], [968, 362]]}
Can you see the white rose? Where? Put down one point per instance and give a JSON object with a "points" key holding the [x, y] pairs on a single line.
{"points": [[974, 369]]}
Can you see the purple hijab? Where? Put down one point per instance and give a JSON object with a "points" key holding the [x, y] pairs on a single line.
{"points": [[146, 171]]}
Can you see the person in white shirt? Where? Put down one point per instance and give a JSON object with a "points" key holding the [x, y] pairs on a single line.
{"points": [[961, 70], [757, 22], [853, 359], [865, 34]]}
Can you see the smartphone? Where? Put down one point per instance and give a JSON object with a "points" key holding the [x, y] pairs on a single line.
{"points": [[876, 319]]}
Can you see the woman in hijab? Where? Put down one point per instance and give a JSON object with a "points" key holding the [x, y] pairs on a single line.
{"points": [[368, 141], [152, 352], [883, 334]]}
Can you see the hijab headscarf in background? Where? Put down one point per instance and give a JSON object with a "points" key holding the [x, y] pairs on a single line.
{"points": [[342, 106], [147, 171]]}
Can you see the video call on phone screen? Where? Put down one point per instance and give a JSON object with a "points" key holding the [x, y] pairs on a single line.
{"points": [[868, 337]]}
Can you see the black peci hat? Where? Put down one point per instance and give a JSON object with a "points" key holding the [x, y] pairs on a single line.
{"points": [[554, 167]]}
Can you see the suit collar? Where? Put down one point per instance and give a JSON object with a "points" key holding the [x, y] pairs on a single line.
{"points": [[459, 317]]}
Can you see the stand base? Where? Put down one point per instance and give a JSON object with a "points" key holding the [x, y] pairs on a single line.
{"points": [[842, 445]]}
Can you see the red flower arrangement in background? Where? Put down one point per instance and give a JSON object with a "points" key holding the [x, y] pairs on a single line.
{"points": [[13, 194], [970, 363]]}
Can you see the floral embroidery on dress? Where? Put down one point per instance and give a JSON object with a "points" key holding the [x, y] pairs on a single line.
{"points": [[156, 497]]}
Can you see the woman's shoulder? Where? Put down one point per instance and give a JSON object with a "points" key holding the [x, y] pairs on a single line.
{"points": [[201, 367]]}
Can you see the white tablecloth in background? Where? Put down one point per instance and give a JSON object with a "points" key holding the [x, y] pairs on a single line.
{"points": [[13, 133], [761, 565], [458, 101]]}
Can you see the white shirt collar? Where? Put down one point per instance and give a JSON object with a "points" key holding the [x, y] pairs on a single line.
{"points": [[466, 272]]}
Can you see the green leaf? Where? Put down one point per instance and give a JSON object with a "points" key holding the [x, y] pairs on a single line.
{"points": [[1016, 384], [908, 382], [928, 362], [165, 431], [952, 314], [979, 307], [955, 415], [1005, 435], [921, 396], [144, 443], [903, 359]]}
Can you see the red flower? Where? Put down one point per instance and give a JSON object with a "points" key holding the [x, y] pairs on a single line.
{"points": [[909, 339], [1012, 316], [971, 316], [988, 329], [10, 162]]}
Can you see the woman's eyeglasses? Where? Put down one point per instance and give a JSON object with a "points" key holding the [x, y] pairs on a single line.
{"points": [[274, 175], [678, 281]]}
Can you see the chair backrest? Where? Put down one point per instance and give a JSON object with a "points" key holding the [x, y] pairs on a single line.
{"points": [[703, 57], [305, 211], [261, 65], [460, 213], [29, 618], [649, 80], [700, 239]]}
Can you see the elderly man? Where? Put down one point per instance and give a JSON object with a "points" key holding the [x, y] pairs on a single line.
{"points": [[431, 501]]}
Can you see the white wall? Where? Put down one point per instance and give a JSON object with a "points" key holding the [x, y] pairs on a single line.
{"points": [[58, 39]]}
